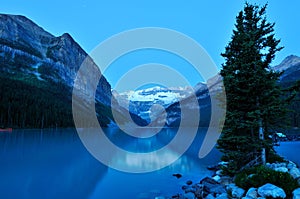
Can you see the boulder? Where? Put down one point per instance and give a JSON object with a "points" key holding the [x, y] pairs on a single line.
{"points": [[219, 172], [210, 186], [217, 178], [189, 195], [270, 190], [210, 196], [296, 194], [252, 193], [282, 169], [189, 182], [237, 192], [291, 165], [222, 196], [295, 173]]}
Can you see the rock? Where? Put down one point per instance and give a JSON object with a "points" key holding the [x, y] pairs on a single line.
{"points": [[222, 196], [225, 180], [291, 165], [270, 190], [210, 186], [190, 189], [177, 175], [199, 192], [283, 164], [217, 178], [189, 195], [213, 167], [210, 196], [189, 182], [252, 193], [237, 192], [223, 163], [295, 173], [282, 169], [296, 194], [219, 172]]}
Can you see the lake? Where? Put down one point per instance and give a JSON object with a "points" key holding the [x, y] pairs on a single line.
{"points": [[45, 164], [290, 151]]}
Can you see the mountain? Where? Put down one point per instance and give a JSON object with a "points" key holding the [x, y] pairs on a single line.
{"points": [[37, 72], [290, 67], [140, 102]]}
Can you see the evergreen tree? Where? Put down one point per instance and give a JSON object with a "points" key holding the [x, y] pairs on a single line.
{"points": [[254, 103]]}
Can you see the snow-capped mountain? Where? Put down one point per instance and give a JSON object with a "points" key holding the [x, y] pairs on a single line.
{"points": [[141, 102], [144, 102]]}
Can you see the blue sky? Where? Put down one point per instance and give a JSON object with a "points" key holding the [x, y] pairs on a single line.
{"points": [[210, 23]]}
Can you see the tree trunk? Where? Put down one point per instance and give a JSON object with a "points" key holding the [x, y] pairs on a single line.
{"points": [[261, 136]]}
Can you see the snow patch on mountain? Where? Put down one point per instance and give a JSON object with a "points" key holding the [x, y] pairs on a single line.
{"points": [[158, 95]]}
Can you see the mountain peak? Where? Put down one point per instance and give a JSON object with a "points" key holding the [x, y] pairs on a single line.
{"points": [[288, 62]]}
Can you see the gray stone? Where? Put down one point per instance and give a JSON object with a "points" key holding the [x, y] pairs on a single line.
{"points": [[219, 172], [282, 169], [270, 190], [295, 173], [229, 187], [296, 194], [217, 178], [237, 192], [291, 165], [209, 196], [189, 182], [210, 186], [190, 189], [252, 193], [189, 195], [222, 196]]}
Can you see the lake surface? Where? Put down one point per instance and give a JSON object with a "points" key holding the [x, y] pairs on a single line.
{"points": [[46, 164], [290, 151]]}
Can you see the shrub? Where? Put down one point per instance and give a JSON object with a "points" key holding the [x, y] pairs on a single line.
{"points": [[260, 175], [273, 157]]}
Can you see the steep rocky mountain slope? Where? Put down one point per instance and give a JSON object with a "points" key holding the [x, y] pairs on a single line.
{"points": [[37, 72]]}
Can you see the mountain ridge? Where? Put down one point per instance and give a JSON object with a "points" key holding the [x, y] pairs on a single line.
{"points": [[37, 78]]}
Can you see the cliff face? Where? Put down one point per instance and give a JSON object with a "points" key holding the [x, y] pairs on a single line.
{"points": [[40, 69], [60, 56]]}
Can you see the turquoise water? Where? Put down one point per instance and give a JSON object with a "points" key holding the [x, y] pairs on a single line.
{"points": [[45, 164]]}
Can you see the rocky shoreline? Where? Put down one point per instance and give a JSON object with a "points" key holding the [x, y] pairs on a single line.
{"points": [[222, 187]]}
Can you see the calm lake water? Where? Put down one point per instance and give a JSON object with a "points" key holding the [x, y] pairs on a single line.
{"points": [[290, 151], [46, 164]]}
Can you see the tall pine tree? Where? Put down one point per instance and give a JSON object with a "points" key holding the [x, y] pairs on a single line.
{"points": [[254, 103]]}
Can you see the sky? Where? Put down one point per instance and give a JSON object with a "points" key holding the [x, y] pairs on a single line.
{"points": [[210, 23]]}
